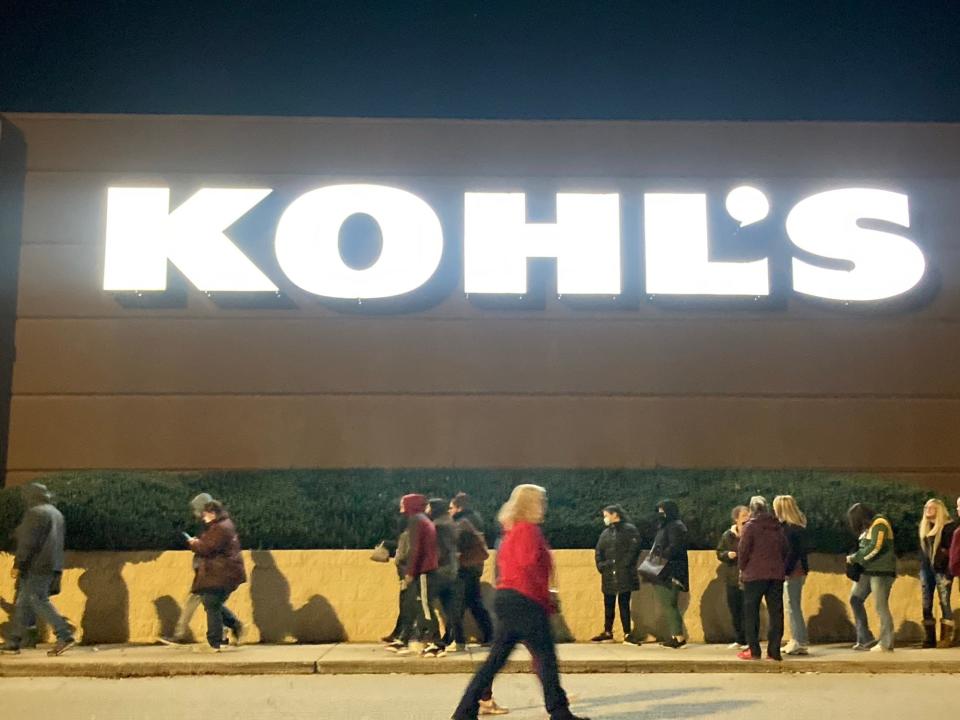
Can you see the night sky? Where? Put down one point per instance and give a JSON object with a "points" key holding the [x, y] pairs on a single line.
{"points": [[714, 60]]}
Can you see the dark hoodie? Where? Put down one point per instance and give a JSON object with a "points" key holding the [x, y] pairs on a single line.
{"points": [[670, 543], [447, 532], [763, 549], [423, 536], [40, 534]]}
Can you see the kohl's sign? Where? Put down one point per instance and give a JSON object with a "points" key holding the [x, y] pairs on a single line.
{"points": [[143, 234]]}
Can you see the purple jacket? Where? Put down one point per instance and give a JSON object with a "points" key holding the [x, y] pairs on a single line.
{"points": [[763, 549]]}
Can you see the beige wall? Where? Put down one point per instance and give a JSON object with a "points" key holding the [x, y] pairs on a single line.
{"points": [[98, 385], [328, 595]]}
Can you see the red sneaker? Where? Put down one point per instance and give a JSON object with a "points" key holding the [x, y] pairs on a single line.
{"points": [[747, 655]]}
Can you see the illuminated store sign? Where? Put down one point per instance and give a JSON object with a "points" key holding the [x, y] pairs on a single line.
{"points": [[861, 261]]}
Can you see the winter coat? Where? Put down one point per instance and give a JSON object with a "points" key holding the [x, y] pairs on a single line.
{"points": [[446, 530], [796, 562], [763, 549], [221, 564], [729, 542], [939, 563], [875, 553], [670, 543], [403, 552], [471, 545], [423, 537], [40, 535], [617, 553]]}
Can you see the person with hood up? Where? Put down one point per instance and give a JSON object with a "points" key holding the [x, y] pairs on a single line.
{"points": [[38, 566], [616, 555], [761, 558], [472, 547], [193, 600], [220, 571], [419, 583], [670, 544]]}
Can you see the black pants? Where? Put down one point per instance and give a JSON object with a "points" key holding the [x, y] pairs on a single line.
{"points": [[218, 615], [520, 620], [609, 602], [402, 620], [772, 592], [444, 592], [419, 613], [735, 603], [469, 598]]}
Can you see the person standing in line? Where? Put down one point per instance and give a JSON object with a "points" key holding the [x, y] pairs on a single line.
{"points": [[445, 577], [761, 559], [220, 571], [616, 554], [670, 544], [37, 567], [730, 575], [473, 551], [796, 569], [878, 561], [524, 604], [193, 600], [954, 563], [936, 535]]}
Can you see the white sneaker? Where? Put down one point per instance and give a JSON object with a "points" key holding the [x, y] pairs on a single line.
{"points": [[490, 707], [735, 646], [880, 648]]}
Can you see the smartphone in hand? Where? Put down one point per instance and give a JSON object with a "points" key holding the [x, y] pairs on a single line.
{"points": [[187, 536]]}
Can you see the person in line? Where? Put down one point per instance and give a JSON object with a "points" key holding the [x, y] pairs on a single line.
{"points": [[444, 590], [878, 561], [761, 559], [524, 604], [797, 566], [473, 553], [954, 564], [192, 601], [219, 572], [936, 534], [729, 573], [38, 567], [670, 544], [616, 554]]}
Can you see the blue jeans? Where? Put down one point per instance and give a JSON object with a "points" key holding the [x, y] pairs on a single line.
{"points": [[930, 581], [879, 586], [218, 615], [33, 601], [792, 595]]}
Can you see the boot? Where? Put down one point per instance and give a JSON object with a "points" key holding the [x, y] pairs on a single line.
{"points": [[929, 635], [946, 634]]}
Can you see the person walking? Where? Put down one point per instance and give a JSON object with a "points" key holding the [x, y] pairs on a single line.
{"points": [[878, 569], [761, 559], [524, 603], [37, 568], [444, 590], [219, 572], [422, 563], [936, 535], [616, 555], [796, 568], [473, 554], [670, 546], [392, 639], [192, 601], [729, 573]]}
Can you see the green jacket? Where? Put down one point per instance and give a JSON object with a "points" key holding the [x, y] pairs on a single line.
{"points": [[876, 549]]}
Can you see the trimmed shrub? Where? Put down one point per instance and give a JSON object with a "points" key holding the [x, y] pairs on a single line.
{"points": [[287, 509]]}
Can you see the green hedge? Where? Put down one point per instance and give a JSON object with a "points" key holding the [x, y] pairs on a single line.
{"points": [[356, 508]]}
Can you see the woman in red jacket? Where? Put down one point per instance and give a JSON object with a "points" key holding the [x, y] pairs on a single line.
{"points": [[524, 604], [220, 571]]}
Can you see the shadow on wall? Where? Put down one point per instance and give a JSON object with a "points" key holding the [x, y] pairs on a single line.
{"points": [[168, 611], [106, 612], [274, 614], [831, 622], [714, 614]]}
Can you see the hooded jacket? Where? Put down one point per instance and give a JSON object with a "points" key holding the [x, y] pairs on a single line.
{"points": [[423, 536], [670, 543], [221, 563], [763, 549], [616, 555], [447, 531], [40, 535]]}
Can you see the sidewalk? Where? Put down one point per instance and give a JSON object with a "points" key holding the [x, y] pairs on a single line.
{"points": [[117, 661]]}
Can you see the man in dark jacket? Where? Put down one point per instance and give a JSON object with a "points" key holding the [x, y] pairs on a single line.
{"points": [[444, 590], [219, 572], [616, 554], [761, 558], [473, 553], [38, 566], [422, 564]]}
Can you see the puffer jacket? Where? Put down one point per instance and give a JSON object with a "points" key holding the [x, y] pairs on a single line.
{"points": [[221, 564], [617, 552]]}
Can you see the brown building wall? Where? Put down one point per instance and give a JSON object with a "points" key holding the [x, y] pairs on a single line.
{"points": [[100, 385]]}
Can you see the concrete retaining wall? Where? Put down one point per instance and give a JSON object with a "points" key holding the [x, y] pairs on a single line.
{"points": [[335, 595]]}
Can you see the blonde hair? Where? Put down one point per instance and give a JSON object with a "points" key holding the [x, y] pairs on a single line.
{"points": [[525, 505], [933, 529], [787, 510]]}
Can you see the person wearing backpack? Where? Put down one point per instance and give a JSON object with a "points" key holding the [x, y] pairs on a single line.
{"points": [[473, 555], [876, 557], [616, 556]]}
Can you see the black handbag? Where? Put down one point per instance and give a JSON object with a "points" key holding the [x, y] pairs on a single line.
{"points": [[854, 571], [652, 567]]}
